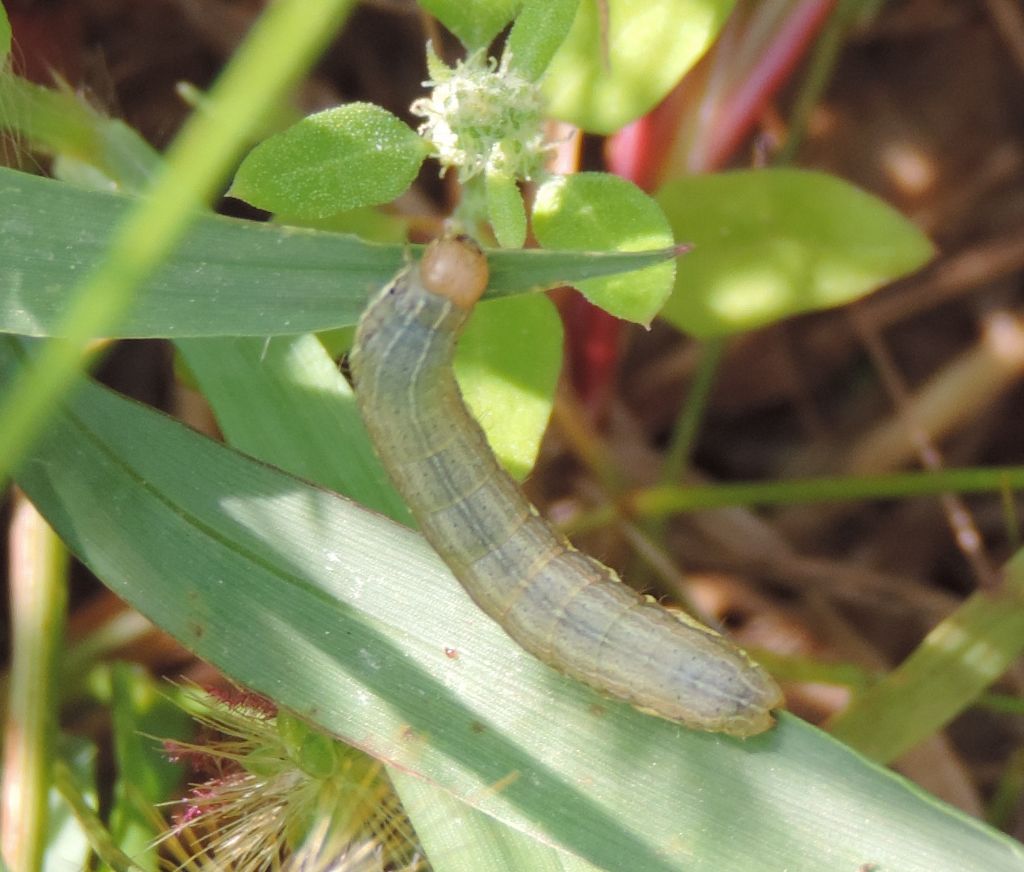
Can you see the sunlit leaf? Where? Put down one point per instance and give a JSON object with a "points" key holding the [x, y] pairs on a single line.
{"points": [[507, 364], [539, 29], [597, 211], [768, 244], [602, 79], [343, 158]]}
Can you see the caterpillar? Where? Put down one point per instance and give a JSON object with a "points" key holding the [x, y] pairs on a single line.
{"points": [[564, 607]]}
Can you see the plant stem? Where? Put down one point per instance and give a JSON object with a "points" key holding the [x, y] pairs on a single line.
{"points": [[665, 500], [38, 585], [677, 458]]}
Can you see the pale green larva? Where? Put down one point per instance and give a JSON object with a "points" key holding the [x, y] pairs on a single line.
{"points": [[562, 606]]}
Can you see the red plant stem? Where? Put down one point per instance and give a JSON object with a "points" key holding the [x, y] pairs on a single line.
{"points": [[739, 114]]}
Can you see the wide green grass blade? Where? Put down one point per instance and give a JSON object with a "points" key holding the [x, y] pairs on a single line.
{"points": [[227, 277], [351, 620], [284, 401], [458, 838]]}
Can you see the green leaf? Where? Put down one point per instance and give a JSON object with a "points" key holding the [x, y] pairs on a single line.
{"points": [[458, 838], [650, 45], [474, 22], [768, 244], [339, 159], [598, 211], [104, 152], [505, 209], [507, 364], [537, 33], [369, 223], [353, 622], [5, 36], [285, 401], [227, 277], [964, 654]]}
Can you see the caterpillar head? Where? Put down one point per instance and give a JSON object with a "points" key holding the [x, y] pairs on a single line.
{"points": [[455, 268]]}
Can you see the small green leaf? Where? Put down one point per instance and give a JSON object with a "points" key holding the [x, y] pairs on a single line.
{"points": [[768, 244], [505, 209], [344, 158], [537, 33], [474, 22], [603, 80], [509, 391], [601, 212]]}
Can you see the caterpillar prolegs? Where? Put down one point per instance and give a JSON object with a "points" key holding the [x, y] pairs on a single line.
{"points": [[564, 607]]}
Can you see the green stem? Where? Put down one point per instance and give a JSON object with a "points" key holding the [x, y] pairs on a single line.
{"points": [[819, 74], [666, 500], [1006, 799], [38, 589], [677, 458], [670, 499]]}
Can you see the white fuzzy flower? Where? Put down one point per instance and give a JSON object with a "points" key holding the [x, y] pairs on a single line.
{"points": [[481, 116]]}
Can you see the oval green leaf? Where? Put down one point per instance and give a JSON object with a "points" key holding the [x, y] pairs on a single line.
{"points": [[601, 212], [768, 244], [650, 45], [343, 158]]}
